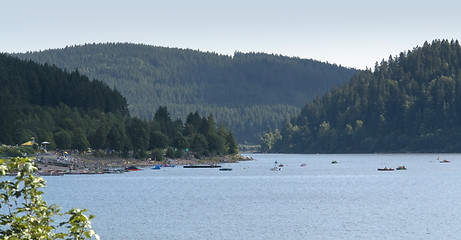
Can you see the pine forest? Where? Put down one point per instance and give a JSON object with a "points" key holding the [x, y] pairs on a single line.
{"points": [[409, 103], [247, 92]]}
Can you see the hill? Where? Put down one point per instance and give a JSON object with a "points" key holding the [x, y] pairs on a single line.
{"points": [[71, 112], [249, 93], [27, 88], [410, 103]]}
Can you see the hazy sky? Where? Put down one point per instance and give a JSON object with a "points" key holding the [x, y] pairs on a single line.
{"points": [[352, 33]]}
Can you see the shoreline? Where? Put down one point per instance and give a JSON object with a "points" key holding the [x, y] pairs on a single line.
{"points": [[57, 163]]}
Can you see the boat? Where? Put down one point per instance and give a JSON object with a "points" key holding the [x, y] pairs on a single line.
{"points": [[303, 165], [334, 162], [132, 168], [401, 168], [443, 161], [51, 173], [112, 170], [280, 165], [385, 169], [156, 167], [225, 169], [276, 168]]}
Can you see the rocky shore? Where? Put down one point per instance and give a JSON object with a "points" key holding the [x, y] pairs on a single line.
{"points": [[64, 162]]}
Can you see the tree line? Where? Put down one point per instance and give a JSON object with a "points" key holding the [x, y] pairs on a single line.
{"points": [[185, 80], [77, 119], [409, 103]]}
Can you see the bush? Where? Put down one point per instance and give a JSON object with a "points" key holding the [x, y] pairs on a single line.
{"points": [[28, 215], [157, 154]]}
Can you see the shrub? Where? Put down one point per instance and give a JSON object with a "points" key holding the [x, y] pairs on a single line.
{"points": [[26, 215]]}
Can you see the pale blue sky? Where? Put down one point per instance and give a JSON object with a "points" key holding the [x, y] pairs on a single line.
{"points": [[353, 33]]}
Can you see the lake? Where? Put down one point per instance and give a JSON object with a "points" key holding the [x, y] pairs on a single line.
{"points": [[347, 200]]}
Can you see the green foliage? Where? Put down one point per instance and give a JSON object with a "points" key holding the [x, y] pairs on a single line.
{"points": [[26, 87], [80, 141], [157, 154], [247, 92], [63, 139], [70, 124], [200, 145], [170, 153], [158, 140], [6, 151], [231, 144], [25, 215], [410, 103], [269, 139], [179, 141]]}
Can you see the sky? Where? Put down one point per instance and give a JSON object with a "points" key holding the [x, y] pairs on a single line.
{"points": [[352, 33]]}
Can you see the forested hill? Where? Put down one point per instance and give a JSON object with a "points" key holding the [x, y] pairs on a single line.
{"points": [[32, 84], [26, 86], [410, 103], [248, 92], [71, 112]]}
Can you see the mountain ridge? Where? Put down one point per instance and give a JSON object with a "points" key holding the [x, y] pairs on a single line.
{"points": [[231, 88], [409, 103]]}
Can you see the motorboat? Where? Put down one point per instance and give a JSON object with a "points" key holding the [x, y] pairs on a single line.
{"points": [[132, 168], [443, 161], [385, 169], [225, 169]]}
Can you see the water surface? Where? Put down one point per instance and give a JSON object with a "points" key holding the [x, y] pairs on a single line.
{"points": [[348, 200]]}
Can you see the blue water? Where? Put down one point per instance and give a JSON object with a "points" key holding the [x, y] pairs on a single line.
{"points": [[348, 200]]}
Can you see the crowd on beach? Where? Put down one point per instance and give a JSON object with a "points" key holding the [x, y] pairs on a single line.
{"points": [[62, 158], [72, 161]]}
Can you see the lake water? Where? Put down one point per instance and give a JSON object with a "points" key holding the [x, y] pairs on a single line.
{"points": [[348, 200]]}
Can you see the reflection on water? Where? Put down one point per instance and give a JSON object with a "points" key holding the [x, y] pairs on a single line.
{"points": [[347, 200]]}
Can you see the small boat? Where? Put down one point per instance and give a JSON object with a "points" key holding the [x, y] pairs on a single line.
{"points": [[156, 167], [276, 168], [51, 173], [334, 162], [443, 161], [280, 165], [112, 170], [225, 169], [132, 168], [303, 165], [401, 168], [385, 169]]}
